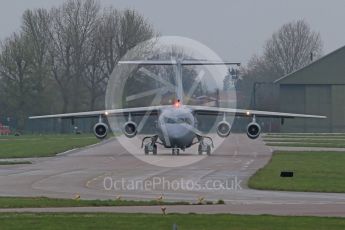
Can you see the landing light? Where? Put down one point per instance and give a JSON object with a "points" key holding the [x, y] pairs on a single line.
{"points": [[248, 113], [177, 104], [106, 113]]}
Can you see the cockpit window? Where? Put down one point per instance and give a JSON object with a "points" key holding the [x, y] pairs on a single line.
{"points": [[179, 120], [182, 120], [169, 120]]}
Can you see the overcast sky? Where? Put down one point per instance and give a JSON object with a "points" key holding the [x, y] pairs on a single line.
{"points": [[234, 29]]}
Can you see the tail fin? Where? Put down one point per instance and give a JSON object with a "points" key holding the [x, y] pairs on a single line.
{"points": [[178, 73]]}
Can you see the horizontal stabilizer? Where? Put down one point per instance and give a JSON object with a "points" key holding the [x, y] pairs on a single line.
{"points": [[175, 62]]}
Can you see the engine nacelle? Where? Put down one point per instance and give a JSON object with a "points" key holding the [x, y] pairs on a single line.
{"points": [[100, 130], [130, 129], [253, 130], [223, 129]]}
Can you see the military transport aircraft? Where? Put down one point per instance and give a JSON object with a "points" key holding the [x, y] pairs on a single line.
{"points": [[177, 124]]}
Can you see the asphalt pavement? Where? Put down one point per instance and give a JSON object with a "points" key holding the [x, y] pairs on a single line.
{"points": [[108, 171]]}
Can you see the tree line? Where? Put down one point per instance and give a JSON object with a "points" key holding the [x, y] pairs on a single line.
{"points": [[61, 58]]}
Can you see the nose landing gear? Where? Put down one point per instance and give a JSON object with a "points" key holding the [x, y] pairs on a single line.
{"points": [[150, 145], [205, 146], [175, 151]]}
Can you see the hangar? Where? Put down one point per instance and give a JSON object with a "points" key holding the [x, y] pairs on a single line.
{"points": [[318, 88]]}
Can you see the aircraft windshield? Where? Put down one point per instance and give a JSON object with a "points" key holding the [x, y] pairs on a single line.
{"points": [[179, 120]]}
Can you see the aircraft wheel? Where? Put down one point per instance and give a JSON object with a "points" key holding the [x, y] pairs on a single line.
{"points": [[208, 151], [154, 152], [175, 151], [200, 149], [146, 150]]}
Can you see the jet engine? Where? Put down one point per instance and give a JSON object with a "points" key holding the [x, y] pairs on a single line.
{"points": [[130, 129], [223, 129], [253, 130], [100, 130]]}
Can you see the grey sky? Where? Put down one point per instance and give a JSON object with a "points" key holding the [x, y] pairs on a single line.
{"points": [[234, 29]]}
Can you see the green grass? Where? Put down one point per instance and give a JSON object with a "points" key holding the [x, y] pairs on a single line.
{"points": [[330, 140], [305, 134], [306, 144], [104, 221], [41, 145], [306, 140], [37, 136], [14, 162], [313, 172], [44, 202], [305, 137]]}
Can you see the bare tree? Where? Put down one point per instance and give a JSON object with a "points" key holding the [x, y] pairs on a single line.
{"points": [[70, 49], [287, 50], [291, 47], [60, 56], [35, 26], [72, 27], [16, 81], [121, 31], [115, 34], [95, 75]]}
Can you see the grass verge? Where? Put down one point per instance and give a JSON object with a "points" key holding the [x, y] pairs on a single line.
{"points": [[313, 172], [306, 140], [42, 146], [336, 140], [283, 135], [10, 221], [14, 162], [306, 144], [44, 202]]}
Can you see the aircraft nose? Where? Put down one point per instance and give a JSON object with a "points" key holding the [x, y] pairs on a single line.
{"points": [[178, 131], [175, 135]]}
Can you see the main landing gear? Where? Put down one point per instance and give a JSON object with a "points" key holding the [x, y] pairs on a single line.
{"points": [[150, 146], [205, 144], [204, 149]]}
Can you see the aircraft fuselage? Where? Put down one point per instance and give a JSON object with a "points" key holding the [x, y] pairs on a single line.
{"points": [[176, 127]]}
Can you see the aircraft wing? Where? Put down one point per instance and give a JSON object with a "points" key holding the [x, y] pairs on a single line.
{"points": [[206, 110], [138, 111]]}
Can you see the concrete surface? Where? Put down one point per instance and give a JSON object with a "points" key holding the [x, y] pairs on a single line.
{"points": [[83, 172]]}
